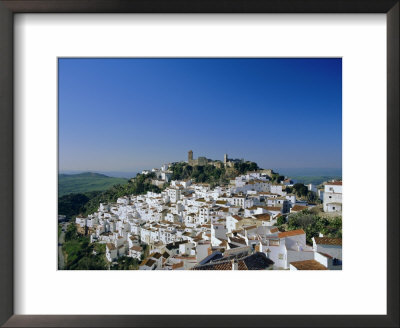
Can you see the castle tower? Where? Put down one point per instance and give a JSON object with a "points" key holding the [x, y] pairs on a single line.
{"points": [[190, 157], [225, 159]]}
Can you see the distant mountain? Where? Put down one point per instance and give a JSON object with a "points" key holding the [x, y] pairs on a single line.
{"points": [[84, 182], [311, 175], [315, 180], [310, 172], [114, 174], [84, 174]]}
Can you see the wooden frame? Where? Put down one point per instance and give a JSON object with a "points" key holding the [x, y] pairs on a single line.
{"points": [[9, 7]]}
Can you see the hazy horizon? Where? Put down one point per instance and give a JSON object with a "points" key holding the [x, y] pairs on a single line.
{"points": [[126, 115], [291, 172]]}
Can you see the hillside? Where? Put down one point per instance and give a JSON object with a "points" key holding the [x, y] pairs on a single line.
{"points": [[85, 182], [209, 173], [88, 202]]}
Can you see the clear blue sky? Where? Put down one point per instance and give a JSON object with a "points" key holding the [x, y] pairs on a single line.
{"points": [[131, 114]]}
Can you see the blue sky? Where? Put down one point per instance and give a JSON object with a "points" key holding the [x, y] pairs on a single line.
{"points": [[131, 114]]}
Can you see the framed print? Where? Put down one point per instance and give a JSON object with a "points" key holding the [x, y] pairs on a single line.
{"points": [[188, 147]]}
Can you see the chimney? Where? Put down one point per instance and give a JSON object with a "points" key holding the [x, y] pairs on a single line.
{"points": [[235, 265]]}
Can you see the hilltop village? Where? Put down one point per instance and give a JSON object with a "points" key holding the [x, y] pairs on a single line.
{"points": [[196, 226]]}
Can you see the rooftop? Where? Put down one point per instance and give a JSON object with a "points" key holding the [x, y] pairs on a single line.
{"points": [[296, 208], [328, 241], [256, 261], [291, 233], [334, 183], [308, 265]]}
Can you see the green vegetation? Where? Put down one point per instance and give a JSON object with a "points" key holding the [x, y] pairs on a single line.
{"points": [[281, 220], [87, 203], [313, 224], [71, 233], [141, 184], [84, 182], [276, 178], [126, 263], [146, 251], [79, 253], [209, 173], [303, 193], [72, 204], [245, 167], [200, 174]]}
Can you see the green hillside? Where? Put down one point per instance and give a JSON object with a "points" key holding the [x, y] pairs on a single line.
{"points": [[209, 173], [84, 182], [88, 202]]}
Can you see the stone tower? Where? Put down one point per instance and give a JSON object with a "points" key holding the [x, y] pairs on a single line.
{"points": [[190, 157], [225, 159]]}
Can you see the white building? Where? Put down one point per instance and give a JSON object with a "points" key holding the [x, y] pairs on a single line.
{"points": [[188, 221], [287, 247], [135, 252], [111, 252], [329, 246], [333, 197], [81, 221]]}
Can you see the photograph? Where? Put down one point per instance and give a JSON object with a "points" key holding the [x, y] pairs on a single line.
{"points": [[199, 163], [191, 137]]}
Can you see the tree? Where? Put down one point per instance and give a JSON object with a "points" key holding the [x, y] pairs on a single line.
{"points": [[312, 197], [244, 167], [72, 204], [280, 178], [313, 224], [71, 232], [126, 263], [301, 189], [281, 220], [79, 254]]}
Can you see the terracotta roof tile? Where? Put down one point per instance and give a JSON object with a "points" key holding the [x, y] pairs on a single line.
{"points": [[262, 217], [308, 265], [273, 208], [237, 217], [291, 233], [111, 246], [296, 208], [177, 265], [334, 183], [328, 241]]}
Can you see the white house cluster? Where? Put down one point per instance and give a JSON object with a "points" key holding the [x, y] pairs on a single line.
{"points": [[191, 226]]}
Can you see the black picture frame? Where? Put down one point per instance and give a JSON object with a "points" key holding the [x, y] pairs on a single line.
{"points": [[10, 7]]}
